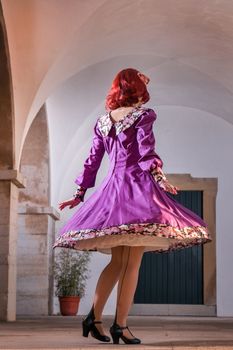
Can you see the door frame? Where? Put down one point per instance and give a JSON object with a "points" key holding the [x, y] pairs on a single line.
{"points": [[209, 186]]}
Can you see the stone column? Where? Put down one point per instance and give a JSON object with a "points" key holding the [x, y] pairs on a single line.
{"points": [[10, 181], [36, 224], [35, 258]]}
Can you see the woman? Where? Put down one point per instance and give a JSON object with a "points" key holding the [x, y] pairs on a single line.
{"points": [[130, 213]]}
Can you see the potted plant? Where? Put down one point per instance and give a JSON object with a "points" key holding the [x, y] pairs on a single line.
{"points": [[70, 274]]}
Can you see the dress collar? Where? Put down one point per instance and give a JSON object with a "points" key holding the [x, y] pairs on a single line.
{"points": [[105, 123]]}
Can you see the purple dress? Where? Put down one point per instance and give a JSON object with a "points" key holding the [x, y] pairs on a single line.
{"points": [[129, 207]]}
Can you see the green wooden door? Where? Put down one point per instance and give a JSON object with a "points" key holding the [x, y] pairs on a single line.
{"points": [[175, 277]]}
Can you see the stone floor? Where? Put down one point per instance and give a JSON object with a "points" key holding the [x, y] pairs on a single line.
{"points": [[156, 332]]}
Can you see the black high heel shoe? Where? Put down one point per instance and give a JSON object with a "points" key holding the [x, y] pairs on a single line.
{"points": [[117, 333], [88, 325]]}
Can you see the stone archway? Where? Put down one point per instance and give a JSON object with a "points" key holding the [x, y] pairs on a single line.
{"points": [[36, 224], [10, 181], [6, 102]]}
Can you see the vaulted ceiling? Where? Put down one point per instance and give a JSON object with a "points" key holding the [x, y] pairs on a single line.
{"points": [[190, 43]]}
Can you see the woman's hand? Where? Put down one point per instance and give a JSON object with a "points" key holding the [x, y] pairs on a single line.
{"points": [[70, 202], [77, 198], [160, 177], [169, 187]]}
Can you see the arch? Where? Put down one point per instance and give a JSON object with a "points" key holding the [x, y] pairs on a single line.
{"points": [[6, 102], [36, 224], [10, 181]]}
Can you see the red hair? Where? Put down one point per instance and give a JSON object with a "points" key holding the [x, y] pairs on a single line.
{"points": [[126, 90]]}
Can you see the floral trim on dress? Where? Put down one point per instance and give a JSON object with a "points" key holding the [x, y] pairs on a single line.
{"points": [[80, 192], [197, 234], [159, 176], [105, 124]]}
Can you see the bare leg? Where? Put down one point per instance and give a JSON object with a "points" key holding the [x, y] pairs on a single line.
{"points": [[131, 261], [106, 282]]}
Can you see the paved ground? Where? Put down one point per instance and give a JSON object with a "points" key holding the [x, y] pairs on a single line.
{"points": [[156, 332]]}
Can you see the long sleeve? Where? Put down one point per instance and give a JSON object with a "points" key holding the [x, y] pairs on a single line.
{"points": [[87, 177], [146, 142], [150, 160]]}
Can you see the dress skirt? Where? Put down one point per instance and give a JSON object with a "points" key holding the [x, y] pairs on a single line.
{"points": [[130, 208]]}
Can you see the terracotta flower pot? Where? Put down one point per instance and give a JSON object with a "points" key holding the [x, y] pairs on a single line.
{"points": [[69, 305]]}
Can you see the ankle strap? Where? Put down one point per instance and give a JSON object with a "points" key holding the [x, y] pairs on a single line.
{"points": [[97, 321]]}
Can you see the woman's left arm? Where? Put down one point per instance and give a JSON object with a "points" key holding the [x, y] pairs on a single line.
{"points": [[146, 141], [150, 160]]}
